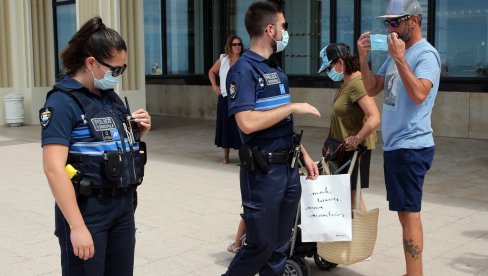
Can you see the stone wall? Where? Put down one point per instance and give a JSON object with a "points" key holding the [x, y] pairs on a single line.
{"points": [[456, 114]]}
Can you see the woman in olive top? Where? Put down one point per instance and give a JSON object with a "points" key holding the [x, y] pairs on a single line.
{"points": [[355, 115]]}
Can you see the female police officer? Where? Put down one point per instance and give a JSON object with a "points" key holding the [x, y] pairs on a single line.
{"points": [[86, 127]]}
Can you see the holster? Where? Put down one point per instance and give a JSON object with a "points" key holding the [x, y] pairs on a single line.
{"points": [[250, 158], [111, 165], [260, 160], [245, 156]]}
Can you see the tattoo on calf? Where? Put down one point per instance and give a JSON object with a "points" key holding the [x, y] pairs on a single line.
{"points": [[412, 249]]}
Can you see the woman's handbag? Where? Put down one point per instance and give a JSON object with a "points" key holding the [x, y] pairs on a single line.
{"points": [[364, 233], [333, 150]]}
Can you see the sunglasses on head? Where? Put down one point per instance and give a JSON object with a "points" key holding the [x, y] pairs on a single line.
{"points": [[394, 23], [236, 44], [116, 70]]}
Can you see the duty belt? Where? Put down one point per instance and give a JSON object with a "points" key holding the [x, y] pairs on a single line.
{"points": [[277, 157], [103, 192]]}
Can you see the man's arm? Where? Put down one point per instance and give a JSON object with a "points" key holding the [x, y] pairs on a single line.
{"points": [[417, 89], [250, 121], [374, 84]]}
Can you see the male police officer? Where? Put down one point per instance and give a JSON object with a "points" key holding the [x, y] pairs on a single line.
{"points": [[270, 185]]}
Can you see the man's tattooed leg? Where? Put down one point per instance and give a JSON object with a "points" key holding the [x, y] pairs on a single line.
{"points": [[412, 249]]}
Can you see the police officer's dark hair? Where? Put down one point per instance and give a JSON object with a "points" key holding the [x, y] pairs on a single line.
{"points": [[259, 15], [92, 39], [228, 45]]}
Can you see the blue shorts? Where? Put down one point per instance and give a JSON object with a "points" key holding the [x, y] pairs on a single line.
{"points": [[405, 171]]}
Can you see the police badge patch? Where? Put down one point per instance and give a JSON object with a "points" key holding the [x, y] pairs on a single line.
{"points": [[45, 115], [233, 90]]}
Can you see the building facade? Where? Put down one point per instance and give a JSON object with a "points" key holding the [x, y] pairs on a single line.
{"points": [[173, 43]]}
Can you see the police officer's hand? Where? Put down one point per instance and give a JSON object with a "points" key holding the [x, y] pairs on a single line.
{"points": [[305, 108], [364, 45], [310, 166], [312, 169], [82, 242], [142, 117]]}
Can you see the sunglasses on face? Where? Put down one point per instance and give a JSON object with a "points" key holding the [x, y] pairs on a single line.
{"points": [[236, 44], [284, 26], [116, 70], [394, 23]]}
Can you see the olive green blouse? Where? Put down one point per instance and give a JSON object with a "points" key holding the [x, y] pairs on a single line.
{"points": [[347, 117]]}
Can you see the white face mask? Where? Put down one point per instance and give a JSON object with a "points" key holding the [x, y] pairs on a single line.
{"points": [[107, 82], [281, 45]]}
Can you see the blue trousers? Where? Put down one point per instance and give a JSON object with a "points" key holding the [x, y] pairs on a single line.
{"points": [[270, 203], [111, 224]]}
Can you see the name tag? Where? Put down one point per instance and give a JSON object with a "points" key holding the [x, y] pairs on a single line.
{"points": [[102, 124], [272, 78]]}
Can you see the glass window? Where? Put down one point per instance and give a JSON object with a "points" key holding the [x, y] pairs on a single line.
{"points": [[153, 37], [65, 29], [345, 22], [184, 37], [236, 12], [308, 27], [461, 36]]}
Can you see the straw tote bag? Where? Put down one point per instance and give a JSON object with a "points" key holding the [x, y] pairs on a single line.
{"points": [[364, 232]]}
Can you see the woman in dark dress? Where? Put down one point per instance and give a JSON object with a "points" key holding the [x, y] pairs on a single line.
{"points": [[226, 132]]}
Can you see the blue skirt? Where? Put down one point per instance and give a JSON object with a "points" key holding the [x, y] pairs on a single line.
{"points": [[226, 132]]}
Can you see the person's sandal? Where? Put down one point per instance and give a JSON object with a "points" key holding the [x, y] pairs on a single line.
{"points": [[232, 249]]}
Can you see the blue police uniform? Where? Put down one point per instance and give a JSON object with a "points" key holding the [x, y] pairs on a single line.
{"points": [[110, 162], [269, 200]]}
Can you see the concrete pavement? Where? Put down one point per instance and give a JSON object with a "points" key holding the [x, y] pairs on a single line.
{"points": [[189, 205]]}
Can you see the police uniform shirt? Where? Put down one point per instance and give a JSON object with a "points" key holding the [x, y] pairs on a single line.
{"points": [[62, 118], [252, 84]]}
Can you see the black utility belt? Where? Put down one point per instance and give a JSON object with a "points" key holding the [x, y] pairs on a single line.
{"points": [[277, 157], [104, 192], [254, 157]]}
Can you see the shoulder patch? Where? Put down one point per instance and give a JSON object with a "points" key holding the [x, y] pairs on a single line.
{"points": [[45, 115], [233, 90]]}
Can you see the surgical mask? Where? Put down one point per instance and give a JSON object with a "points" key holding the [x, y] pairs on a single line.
{"points": [[281, 45], [378, 42], [333, 75], [107, 82]]}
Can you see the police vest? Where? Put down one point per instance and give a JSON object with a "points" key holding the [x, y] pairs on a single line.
{"points": [[272, 93], [105, 152]]}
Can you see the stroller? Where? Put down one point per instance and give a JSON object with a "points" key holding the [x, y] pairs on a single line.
{"points": [[296, 263]]}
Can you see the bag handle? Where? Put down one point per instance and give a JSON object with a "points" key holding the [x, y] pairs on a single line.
{"points": [[358, 181]]}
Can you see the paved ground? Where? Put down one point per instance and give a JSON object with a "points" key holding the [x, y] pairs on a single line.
{"points": [[189, 206]]}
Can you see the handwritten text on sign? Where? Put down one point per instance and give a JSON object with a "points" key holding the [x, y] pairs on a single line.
{"points": [[326, 208]]}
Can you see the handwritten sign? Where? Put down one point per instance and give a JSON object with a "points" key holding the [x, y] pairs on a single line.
{"points": [[326, 208]]}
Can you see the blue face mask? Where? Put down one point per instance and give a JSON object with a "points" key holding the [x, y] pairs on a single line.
{"points": [[107, 82], [333, 75], [281, 45]]}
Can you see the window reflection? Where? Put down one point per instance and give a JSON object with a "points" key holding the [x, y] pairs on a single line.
{"points": [[65, 29], [461, 36], [152, 37], [309, 31], [184, 37], [345, 22]]}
